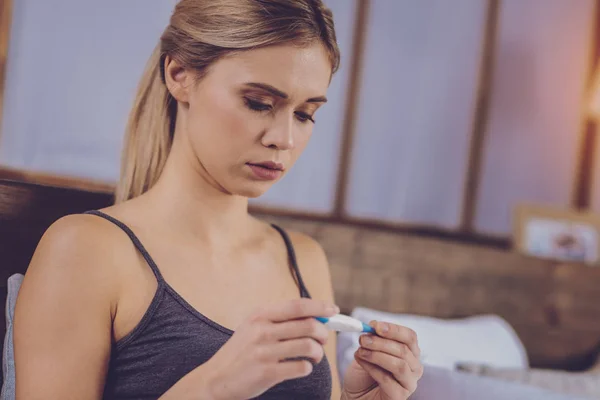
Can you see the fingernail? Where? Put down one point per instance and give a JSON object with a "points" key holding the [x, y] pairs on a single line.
{"points": [[364, 352], [385, 328], [372, 324], [367, 339]]}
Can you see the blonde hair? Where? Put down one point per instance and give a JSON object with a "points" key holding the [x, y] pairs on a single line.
{"points": [[201, 32]]}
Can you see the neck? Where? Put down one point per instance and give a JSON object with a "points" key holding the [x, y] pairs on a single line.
{"points": [[194, 205]]}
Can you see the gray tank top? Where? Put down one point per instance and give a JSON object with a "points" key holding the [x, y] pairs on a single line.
{"points": [[173, 338]]}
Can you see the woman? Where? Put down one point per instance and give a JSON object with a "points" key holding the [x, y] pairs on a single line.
{"points": [[203, 301]]}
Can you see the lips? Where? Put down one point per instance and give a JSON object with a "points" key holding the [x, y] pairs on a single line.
{"points": [[266, 171], [269, 165]]}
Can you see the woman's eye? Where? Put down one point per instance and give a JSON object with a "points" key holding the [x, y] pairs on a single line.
{"points": [[303, 117], [257, 105]]}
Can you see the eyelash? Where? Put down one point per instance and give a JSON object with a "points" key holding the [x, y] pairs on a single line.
{"points": [[261, 107]]}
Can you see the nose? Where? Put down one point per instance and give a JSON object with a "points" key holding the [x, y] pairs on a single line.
{"points": [[280, 134]]}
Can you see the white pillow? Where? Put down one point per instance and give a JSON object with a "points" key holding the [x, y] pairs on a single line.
{"points": [[485, 339], [8, 356]]}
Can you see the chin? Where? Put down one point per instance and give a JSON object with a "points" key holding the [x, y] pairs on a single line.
{"points": [[253, 190]]}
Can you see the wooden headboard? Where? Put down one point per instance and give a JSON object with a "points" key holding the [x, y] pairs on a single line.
{"points": [[554, 307]]}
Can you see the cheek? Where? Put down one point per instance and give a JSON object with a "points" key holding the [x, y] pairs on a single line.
{"points": [[219, 125]]}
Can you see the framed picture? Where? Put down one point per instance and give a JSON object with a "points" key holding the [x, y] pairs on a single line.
{"points": [[557, 234]]}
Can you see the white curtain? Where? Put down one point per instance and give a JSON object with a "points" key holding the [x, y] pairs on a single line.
{"points": [[417, 102], [535, 118], [73, 67]]}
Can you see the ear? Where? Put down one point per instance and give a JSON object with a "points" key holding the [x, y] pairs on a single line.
{"points": [[179, 80]]}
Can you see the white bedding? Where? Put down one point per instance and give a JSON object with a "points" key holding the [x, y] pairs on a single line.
{"points": [[443, 384], [485, 339]]}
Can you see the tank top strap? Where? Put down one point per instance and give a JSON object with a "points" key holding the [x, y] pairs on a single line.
{"points": [[293, 261], [136, 242]]}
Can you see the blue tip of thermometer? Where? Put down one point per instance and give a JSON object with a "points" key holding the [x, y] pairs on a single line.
{"points": [[344, 323]]}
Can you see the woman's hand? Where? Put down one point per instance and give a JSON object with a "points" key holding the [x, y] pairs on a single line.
{"points": [[264, 350], [386, 366]]}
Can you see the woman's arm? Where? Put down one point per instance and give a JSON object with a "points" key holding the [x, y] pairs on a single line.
{"points": [[63, 314], [314, 268]]}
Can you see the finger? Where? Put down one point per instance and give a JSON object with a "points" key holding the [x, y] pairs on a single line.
{"points": [[393, 348], [297, 348], [386, 382], [397, 367], [398, 333], [306, 327], [286, 370], [300, 308]]}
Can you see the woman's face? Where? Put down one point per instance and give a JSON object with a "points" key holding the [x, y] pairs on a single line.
{"points": [[249, 118]]}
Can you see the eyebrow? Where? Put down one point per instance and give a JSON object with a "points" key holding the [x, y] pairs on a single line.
{"points": [[278, 93]]}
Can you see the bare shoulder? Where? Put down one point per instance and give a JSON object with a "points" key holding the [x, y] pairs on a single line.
{"points": [[76, 251], [307, 248], [76, 238], [313, 265], [79, 227], [64, 310]]}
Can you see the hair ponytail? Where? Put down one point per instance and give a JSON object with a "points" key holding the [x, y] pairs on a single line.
{"points": [[148, 135]]}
